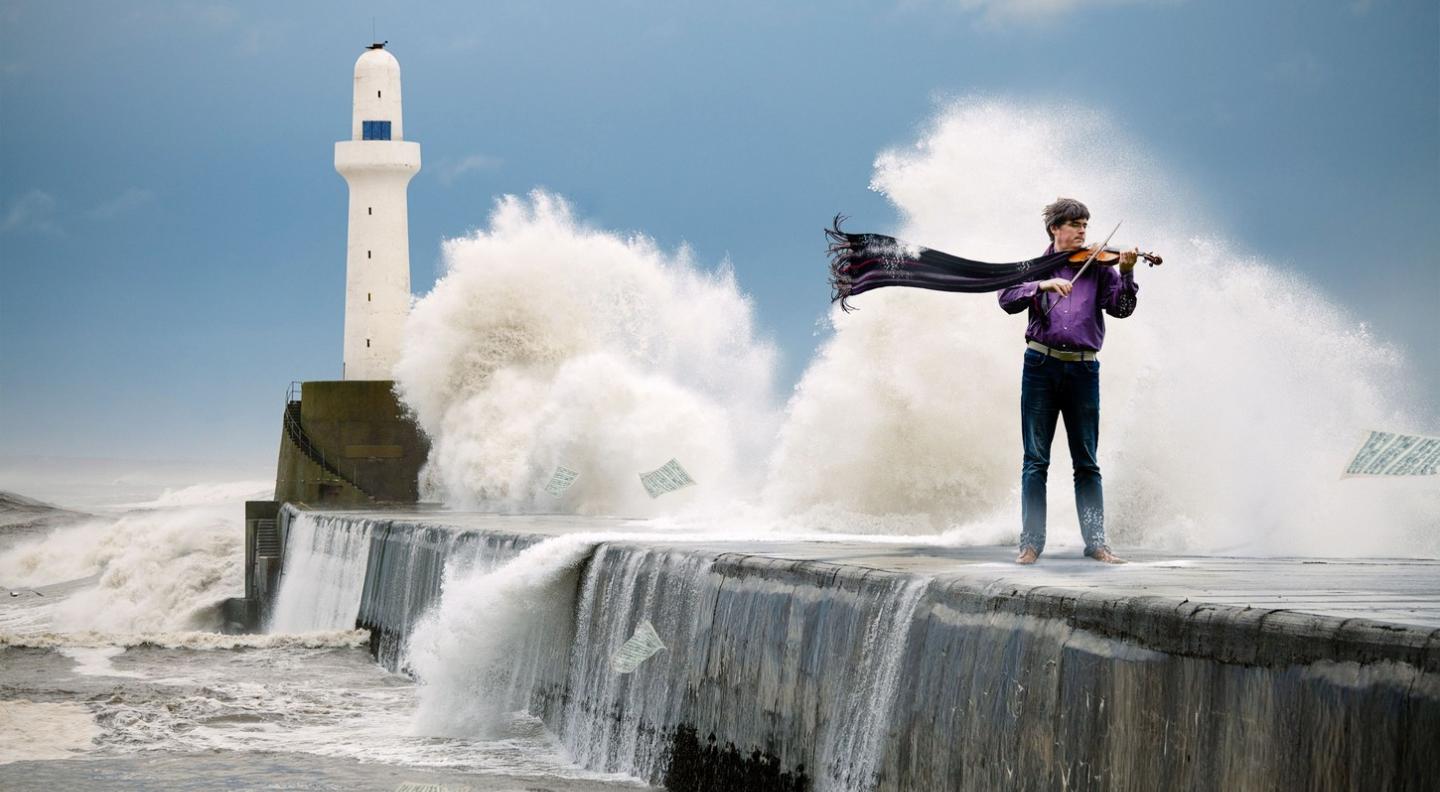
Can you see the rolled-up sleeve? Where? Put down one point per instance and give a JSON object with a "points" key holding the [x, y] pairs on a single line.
{"points": [[1017, 298], [1118, 292]]}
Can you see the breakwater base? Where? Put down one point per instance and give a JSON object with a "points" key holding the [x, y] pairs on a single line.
{"points": [[858, 665]]}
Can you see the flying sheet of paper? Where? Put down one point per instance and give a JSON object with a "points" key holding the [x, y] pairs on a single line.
{"points": [[561, 480], [1390, 454], [641, 647], [667, 478]]}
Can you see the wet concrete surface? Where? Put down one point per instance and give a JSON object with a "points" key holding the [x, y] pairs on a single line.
{"points": [[1390, 591]]}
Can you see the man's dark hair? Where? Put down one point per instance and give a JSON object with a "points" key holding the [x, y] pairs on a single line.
{"points": [[1063, 211]]}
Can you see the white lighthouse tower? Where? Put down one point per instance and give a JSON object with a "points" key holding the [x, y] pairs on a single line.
{"points": [[377, 162]]}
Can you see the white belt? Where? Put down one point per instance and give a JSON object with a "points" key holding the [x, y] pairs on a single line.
{"points": [[1060, 354]]}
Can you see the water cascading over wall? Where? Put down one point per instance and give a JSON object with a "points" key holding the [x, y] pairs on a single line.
{"points": [[780, 657], [406, 569], [323, 576], [784, 674], [377, 574]]}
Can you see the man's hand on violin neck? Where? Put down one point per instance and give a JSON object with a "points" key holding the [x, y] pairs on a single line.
{"points": [[1128, 259], [1060, 286]]}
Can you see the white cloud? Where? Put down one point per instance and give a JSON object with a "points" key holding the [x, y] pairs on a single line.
{"points": [[449, 170], [1006, 12], [127, 201], [33, 211]]}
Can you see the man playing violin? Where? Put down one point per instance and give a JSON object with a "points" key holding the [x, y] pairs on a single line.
{"points": [[1061, 375]]}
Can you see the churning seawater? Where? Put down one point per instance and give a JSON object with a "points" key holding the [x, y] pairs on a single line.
{"points": [[112, 676]]}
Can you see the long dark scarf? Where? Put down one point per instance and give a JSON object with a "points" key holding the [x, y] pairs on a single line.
{"points": [[861, 262]]}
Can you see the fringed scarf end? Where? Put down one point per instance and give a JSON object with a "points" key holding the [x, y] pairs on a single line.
{"points": [[842, 249]]}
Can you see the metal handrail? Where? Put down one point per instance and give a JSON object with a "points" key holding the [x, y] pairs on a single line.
{"points": [[297, 434]]}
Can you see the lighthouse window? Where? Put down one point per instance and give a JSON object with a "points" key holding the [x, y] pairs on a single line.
{"points": [[367, 296], [377, 94], [369, 210], [374, 130], [367, 343], [367, 254]]}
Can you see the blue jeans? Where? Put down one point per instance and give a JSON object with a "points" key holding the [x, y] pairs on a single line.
{"points": [[1050, 388]]}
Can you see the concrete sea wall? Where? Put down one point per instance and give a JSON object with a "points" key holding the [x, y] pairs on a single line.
{"points": [[786, 674], [348, 442]]}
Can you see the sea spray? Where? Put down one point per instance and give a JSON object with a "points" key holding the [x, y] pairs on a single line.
{"points": [[206, 494], [1230, 399], [155, 570], [470, 652], [547, 343]]}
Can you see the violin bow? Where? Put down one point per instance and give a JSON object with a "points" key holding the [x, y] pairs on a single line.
{"points": [[1086, 265]]}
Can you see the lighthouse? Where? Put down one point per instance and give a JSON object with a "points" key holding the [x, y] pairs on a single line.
{"points": [[350, 442], [377, 163]]}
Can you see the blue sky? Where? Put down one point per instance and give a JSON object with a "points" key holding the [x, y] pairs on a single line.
{"points": [[172, 230]]}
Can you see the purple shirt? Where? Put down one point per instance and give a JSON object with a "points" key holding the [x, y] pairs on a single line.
{"points": [[1075, 322]]}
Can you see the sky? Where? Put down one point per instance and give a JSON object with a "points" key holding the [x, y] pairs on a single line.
{"points": [[172, 230]]}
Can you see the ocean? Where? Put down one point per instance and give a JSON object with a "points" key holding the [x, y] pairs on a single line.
{"points": [[113, 674]]}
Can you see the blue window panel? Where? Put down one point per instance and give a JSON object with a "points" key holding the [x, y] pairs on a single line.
{"points": [[374, 130]]}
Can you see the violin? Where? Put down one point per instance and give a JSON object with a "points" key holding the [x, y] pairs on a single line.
{"points": [[1108, 256]]}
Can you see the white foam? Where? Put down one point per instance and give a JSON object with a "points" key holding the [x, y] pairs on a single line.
{"points": [[1223, 428], [461, 652], [194, 640], [547, 342], [324, 574], [37, 731], [96, 661], [160, 570]]}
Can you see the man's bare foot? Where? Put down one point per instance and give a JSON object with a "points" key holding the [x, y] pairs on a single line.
{"points": [[1027, 556], [1104, 555]]}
